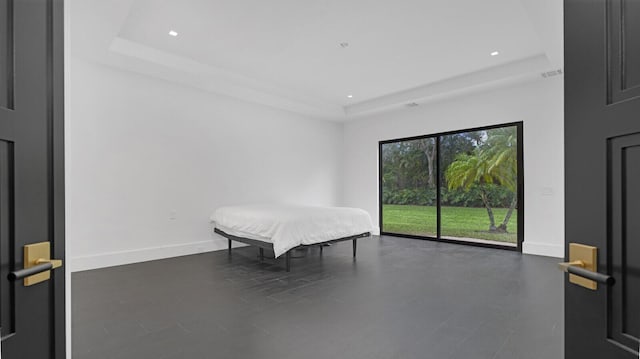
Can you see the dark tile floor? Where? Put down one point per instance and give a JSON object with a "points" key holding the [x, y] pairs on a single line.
{"points": [[401, 298]]}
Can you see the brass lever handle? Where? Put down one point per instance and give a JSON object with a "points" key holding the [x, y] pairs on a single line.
{"points": [[591, 275], [564, 266], [582, 264], [54, 262], [580, 269], [40, 265], [24, 273], [37, 263]]}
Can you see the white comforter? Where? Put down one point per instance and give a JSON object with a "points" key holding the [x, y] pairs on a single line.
{"points": [[288, 226]]}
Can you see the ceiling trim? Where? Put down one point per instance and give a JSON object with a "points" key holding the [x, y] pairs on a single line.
{"points": [[507, 74], [153, 62], [156, 63]]}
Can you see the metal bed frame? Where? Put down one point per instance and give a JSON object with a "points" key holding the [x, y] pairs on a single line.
{"points": [[266, 245]]}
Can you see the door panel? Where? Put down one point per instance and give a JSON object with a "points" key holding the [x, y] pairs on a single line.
{"points": [[631, 43], [433, 186], [7, 239], [408, 187], [602, 173], [31, 174], [6, 54], [623, 43], [624, 245], [495, 209]]}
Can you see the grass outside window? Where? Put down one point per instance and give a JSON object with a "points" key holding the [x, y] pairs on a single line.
{"points": [[462, 222]]}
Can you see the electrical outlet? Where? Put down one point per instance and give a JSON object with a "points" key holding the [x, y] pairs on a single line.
{"points": [[173, 214], [546, 191]]}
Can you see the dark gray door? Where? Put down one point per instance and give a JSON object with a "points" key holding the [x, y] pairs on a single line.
{"points": [[31, 174], [602, 152]]}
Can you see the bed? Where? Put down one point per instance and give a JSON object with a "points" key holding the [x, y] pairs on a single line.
{"points": [[283, 228]]}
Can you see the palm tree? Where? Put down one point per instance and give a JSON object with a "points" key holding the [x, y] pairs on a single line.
{"points": [[501, 153], [494, 161], [467, 171]]}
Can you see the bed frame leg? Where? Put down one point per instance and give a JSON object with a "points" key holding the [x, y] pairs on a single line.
{"points": [[229, 248], [355, 245], [288, 260], [261, 254], [321, 248]]}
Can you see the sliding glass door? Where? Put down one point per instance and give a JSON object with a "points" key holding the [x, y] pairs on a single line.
{"points": [[409, 184], [479, 171], [462, 186]]}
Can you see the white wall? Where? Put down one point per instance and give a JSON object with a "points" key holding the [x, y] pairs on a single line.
{"points": [[538, 104], [138, 148]]}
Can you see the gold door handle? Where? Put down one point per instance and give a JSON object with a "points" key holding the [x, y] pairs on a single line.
{"points": [[56, 263], [583, 267], [37, 263], [564, 266]]}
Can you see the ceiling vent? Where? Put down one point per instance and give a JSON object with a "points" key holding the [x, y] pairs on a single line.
{"points": [[552, 73], [412, 104]]}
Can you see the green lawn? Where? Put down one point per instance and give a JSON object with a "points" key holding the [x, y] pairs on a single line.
{"points": [[456, 222]]}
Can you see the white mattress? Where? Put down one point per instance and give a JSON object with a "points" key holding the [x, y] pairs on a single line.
{"points": [[288, 226]]}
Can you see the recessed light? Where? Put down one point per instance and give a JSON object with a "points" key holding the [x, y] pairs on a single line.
{"points": [[495, 53], [349, 96], [173, 33]]}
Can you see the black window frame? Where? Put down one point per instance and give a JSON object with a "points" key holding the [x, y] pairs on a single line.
{"points": [[521, 200]]}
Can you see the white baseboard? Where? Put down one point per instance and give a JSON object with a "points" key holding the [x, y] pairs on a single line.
{"points": [[110, 259], [543, 249], [116, 258]]}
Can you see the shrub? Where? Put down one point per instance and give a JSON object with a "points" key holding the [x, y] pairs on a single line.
{"points": [[410, 196], [499, 196]]}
